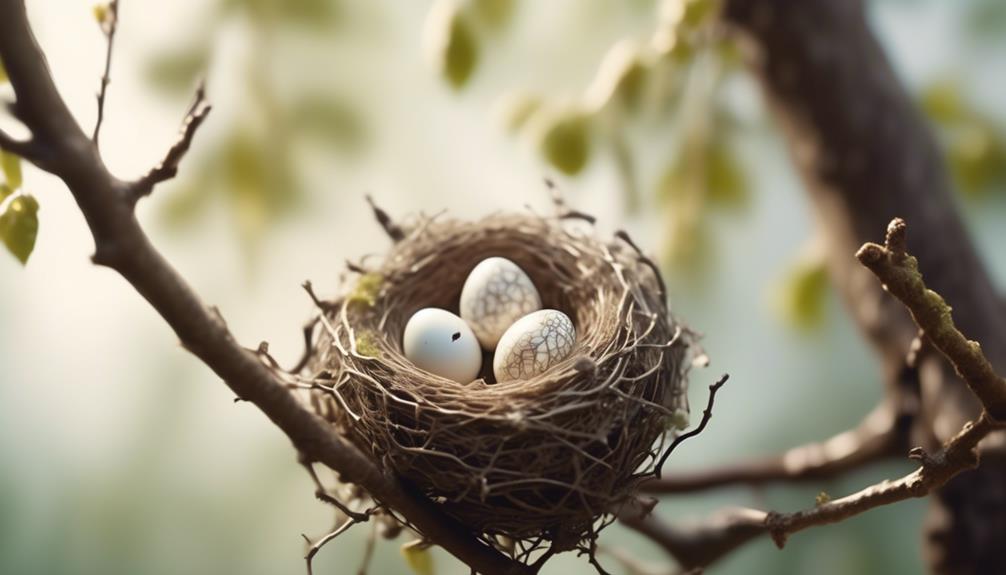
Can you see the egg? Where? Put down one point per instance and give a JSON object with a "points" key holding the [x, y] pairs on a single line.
{"points": [[533, 344], [441, 343], [496, 294]]}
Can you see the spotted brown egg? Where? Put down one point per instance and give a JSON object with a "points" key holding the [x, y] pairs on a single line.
{"points": [[496, 294], [533, 344]]}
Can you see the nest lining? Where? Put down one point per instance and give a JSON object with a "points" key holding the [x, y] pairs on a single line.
{"points": [[542, 458]]}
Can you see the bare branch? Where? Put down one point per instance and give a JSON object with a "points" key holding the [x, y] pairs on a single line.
{"points": [[168, 167], [899, 272], [707, 414], [959, 454], [109, 24], [121, 244], [697, 544], [878, 436], [393, 230]]}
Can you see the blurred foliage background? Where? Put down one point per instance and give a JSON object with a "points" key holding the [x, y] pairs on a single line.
{"points": [[121, 454]]}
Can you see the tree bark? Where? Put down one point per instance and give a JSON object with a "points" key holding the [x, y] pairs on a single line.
{"points": [[866, 156]]}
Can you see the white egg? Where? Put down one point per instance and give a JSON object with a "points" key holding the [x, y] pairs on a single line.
{"points": [[533, 344], [496, 294], [441, 343]]}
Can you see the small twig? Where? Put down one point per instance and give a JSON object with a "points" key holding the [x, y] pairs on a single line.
{"points": [[168, 167], [880, 435], [316, 546], [707, 414], [899, 272], [322, 494], [108, 27], [368, 550], [393, 230], [308, 346]]}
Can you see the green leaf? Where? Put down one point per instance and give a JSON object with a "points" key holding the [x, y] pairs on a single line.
{"points": [[565, 142], [19, 226], [330, 120], [452, 43], [5, 191], [977, 156], [11, 166], [418, 557], [942, 102], [493, 13], [726, 182], [801, 296], [515, 109], [177, 71], [3, 73]]}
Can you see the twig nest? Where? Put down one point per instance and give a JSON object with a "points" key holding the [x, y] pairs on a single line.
{"points": [[547, 452]]}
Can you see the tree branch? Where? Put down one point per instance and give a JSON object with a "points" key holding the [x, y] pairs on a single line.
{"points": [[879, 436], [899, 273], [168, 167], [958, 454], [109, 24], [707, 414], [697, 545], [121, 244]]}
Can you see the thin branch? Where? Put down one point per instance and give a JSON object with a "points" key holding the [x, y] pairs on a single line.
{"points": [[168, 167], [959, 454], [121, 244], [315, 546], [707, 414], [394, 231], [879, 436], [109, 24], [899, 272], [698, 544]]}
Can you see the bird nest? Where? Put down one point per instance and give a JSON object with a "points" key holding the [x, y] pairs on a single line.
{"points": [[543, 459]]}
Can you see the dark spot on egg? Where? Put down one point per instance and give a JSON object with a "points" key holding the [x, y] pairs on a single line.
{"points": [[456, 336]]}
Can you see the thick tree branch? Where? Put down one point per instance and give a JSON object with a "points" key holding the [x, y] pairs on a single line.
{"points": [[121, 244], [879, 436]]}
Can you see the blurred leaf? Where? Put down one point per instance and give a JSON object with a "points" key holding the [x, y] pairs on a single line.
{"points": [[101, 12], [5, 191], [3, 73], [942, 102], [620, 77], [988, 18], [689, 244], [726, 182], [451, 43], [181, 206], [19, 226], [418, 557], [494, 13], [515, 109], [177, 71], [977, 156], [309, 13], [565, 142], [11, 166], [698, 13], [800, 297], [329, 119]]}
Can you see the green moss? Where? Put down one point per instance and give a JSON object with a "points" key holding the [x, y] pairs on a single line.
{"points": [[366, 346], [366, 291]]}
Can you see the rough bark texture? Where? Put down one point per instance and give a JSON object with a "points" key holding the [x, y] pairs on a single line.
{"points": [[866, 156]]}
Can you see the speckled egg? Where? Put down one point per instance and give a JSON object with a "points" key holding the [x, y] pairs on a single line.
{"points": [[533, 344], [441, 343], [496, 294]]}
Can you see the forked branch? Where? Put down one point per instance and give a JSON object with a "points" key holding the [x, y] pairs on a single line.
{"points": [[61, 148]]}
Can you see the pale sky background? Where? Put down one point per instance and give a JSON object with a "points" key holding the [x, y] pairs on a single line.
{"points": [[121, 453]]}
